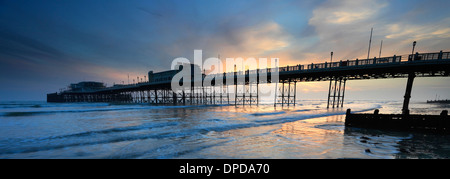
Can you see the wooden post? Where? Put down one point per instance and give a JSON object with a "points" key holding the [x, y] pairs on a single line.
{"points": [[282, 95], [243, 94], [191, 95], [289, 92], [343, 93], [184, 98], [250, 90], [295, 91], [228, 94], [276, 89], [174, 97], [203, 94], [156, 96], [235, 94], [339, 92], [257, 93], [407, 96], [213, 96], [334, 96], [329, 92]]}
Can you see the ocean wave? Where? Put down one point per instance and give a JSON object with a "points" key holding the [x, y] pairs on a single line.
{"points": [[305, 110], [47, 105], [337, 127], [268, 113], [31, 113], [113, 130], [92, 137], [32, 147], [165, 151], [21, 106]]}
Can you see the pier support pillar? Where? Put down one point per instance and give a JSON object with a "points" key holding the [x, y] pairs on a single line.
{"points": [[156, 96], [184, 98], [407, 96], [329, 93], [257, 93], [343, 93], [174, 97], [295, 91], [287, 93], [334, 95], [336, 91], [235, 93], [282, 95]]}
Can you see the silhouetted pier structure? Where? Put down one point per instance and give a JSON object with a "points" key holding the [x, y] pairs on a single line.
{"points": [[442, 101], [157, 90]]}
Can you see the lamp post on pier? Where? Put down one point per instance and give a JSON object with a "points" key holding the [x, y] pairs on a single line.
{"points": [[412, 52], [331, 59]]}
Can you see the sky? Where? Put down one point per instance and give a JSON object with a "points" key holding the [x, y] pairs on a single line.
{"points": [[47, 44]]}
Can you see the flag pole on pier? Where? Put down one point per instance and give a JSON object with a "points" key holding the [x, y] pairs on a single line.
{"points": [[370, 41], [381, 46]]}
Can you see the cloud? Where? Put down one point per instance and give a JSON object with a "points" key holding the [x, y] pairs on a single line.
{"points": [[345, 11], [26, 48], [263, 38], [344, 28], [430, 30], [255, 41]]}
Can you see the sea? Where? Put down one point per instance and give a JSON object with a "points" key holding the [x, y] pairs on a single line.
{"points": [[36, 130]]}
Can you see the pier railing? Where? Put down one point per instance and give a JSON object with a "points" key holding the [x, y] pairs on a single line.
{"points": [[357, 62]]}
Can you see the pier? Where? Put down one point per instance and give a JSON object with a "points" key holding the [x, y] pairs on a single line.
{"points": [[442, 101], [157, 88]]}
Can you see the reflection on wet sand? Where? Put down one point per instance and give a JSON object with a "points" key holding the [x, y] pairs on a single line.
{"points": [[403, 145], [327, 137]]}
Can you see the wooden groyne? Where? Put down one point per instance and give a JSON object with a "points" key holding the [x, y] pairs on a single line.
{"points": [[411, 122]]}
